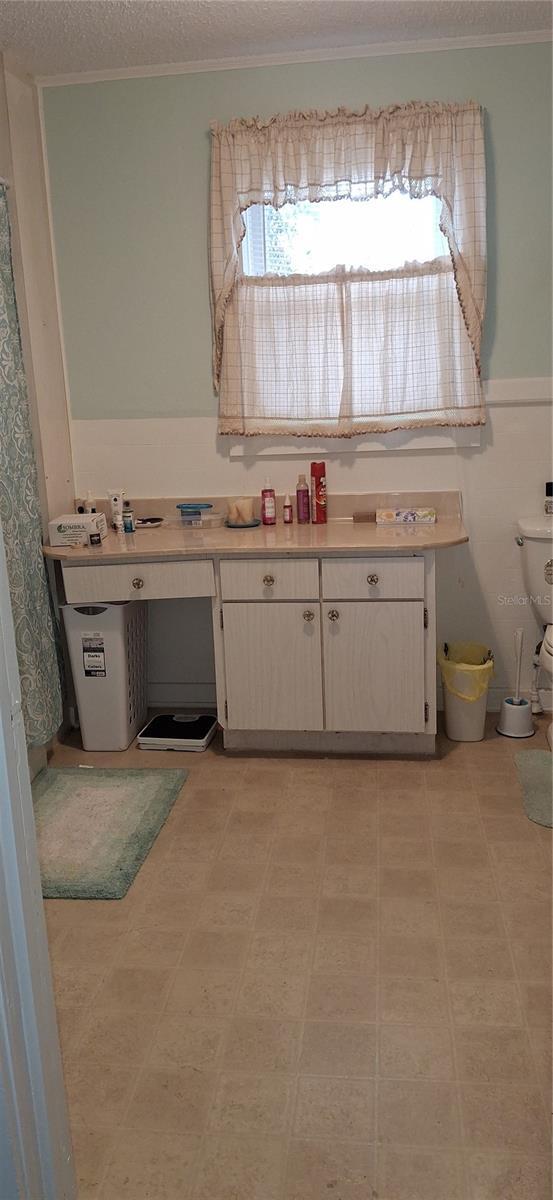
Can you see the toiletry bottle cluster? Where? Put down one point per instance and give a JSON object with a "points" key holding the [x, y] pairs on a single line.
{"points": [[310, 501]]}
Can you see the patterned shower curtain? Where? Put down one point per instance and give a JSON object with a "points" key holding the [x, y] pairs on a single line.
{"points": [[20, 518]]}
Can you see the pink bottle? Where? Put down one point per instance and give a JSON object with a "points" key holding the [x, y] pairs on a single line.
{"points": [[268, 504], [302, 501]]}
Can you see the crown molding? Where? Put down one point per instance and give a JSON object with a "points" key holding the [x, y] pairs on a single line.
{"points": [[375, 50]]}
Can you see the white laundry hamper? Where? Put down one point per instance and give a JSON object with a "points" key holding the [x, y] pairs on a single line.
{"points": [[107, 649]]}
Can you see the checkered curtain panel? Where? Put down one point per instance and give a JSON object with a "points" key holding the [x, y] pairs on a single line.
{"points": [[350, 351]]}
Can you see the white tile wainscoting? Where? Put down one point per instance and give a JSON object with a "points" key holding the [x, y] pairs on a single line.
{"points": [[480, 588]]}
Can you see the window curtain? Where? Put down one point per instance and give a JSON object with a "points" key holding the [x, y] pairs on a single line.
{"points": [[359, 351], [20, 517]]}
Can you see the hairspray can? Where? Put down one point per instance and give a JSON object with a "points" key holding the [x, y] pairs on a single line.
{"points": [[318, 493]]}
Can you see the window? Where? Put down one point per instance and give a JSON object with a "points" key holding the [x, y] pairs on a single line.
{"points": [[308, 239], [348, 270]]}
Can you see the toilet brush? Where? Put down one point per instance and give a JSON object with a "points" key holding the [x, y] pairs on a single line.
{"points": [[516, 713]]}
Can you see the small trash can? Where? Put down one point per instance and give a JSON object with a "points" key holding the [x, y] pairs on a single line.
{"points": [[467, 668], [107, 648]]}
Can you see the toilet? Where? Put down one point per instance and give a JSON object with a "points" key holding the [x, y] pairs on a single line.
{"points": [[535, 538]]}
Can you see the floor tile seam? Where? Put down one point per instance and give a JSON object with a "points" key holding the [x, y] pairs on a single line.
{"points": [[198, 1163], [141, 1068], [378, 1006], [309, 973], [435, 880], [453, 1147], [125, 1011], [525, 1022], [90, 1001], [466, 1183], [118, 1132], [449, 1079], [195, 927], [439, 977], [203, 1134], [160, 1013], [210, 1129], [346, 1021]]}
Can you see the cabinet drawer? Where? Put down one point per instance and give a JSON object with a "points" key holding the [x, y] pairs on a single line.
{"points": [[270, 579], [138, 581], [373, 579]]}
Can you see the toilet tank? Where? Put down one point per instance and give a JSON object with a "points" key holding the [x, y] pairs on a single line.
{"points": [[536, 534]]}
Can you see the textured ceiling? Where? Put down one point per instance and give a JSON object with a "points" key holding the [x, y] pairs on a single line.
{"points": [[51, 37]]}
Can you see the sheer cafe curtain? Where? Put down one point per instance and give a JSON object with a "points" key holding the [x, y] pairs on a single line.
{"points": [[350, 351]]}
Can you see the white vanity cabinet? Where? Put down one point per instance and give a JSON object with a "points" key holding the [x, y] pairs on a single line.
{"points": [[321, 651], [324, 637], [333, 645]]}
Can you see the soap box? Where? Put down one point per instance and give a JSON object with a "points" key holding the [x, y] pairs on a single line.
{"points": [[74, 529], [401, 516]]}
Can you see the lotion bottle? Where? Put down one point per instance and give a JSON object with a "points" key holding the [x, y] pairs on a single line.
{"points": [[302, 501], [287, 512], [268, 504]]}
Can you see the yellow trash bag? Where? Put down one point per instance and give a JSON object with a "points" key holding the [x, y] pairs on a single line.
{"points": [[467, 668]]}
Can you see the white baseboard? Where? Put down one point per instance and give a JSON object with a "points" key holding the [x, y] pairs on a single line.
{"points": [[165, 695]]}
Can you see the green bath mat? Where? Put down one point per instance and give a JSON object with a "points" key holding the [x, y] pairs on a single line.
{"points": [[535, 772], [96, 826]]}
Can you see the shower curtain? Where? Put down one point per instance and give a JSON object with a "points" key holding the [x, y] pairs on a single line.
{"points": [[20, 518]]}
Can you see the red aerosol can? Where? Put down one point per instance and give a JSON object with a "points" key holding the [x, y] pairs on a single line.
{"points": [[318, 493]]}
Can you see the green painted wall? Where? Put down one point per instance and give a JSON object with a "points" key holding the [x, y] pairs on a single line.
{"points": [[129, 166]]}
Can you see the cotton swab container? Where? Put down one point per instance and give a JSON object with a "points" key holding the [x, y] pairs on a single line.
{"points": [[516, 713]]}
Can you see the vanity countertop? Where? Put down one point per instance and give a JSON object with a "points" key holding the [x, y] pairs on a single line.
{"points": [[339, 536]]}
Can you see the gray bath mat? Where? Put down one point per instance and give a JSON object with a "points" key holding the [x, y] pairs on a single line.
{"points": [[535, 772]]}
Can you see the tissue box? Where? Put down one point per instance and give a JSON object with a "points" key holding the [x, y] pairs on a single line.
{"points": [[74, 529], [401, 516]]}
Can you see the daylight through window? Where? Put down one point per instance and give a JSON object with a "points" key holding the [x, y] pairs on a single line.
{"points": [[308, 239]]}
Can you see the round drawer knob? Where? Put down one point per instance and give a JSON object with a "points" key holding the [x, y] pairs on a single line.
{"points": [[308, 615], [372, 579], [333, 614], [268, 580], [138, 583]]}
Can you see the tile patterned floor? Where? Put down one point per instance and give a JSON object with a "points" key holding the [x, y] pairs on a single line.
{"points": [[330, 978]]}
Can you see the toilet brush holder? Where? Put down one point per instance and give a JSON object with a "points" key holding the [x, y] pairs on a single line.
{"points": [[515, 719]]}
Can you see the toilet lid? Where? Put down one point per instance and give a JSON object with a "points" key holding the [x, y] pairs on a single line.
{"points": [[548, 639]]}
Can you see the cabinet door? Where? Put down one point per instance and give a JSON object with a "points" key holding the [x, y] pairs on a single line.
{"points": [[374, 666], [273, 666]]}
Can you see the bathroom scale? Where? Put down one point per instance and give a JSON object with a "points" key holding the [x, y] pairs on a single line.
{"points": [[178, 731]]}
